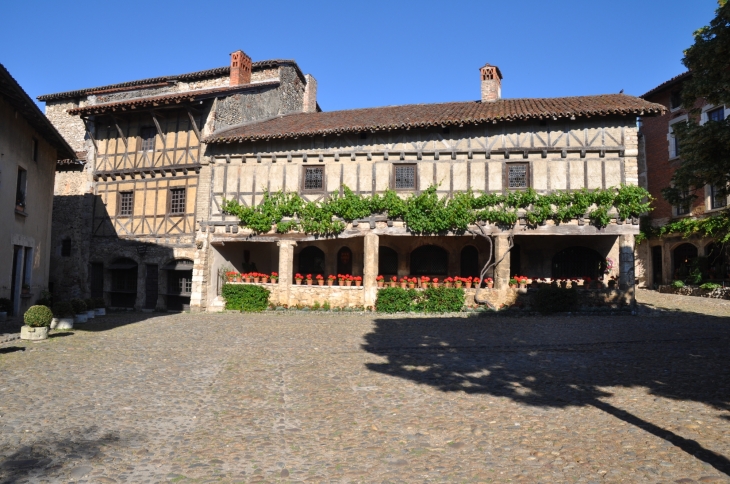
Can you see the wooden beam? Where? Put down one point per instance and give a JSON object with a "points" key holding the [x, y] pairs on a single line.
{"points": [[159, 131], [192, 122], [91, 135], [121, 133]]}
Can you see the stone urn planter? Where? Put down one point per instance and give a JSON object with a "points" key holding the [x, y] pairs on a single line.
{"points": [[63, 323], [34, 334], [81, 318], [100, 312], [90, 314]]}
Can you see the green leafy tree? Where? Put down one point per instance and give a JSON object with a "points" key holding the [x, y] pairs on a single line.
{"points": [[705, 149]]}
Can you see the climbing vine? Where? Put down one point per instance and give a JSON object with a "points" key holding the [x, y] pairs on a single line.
{"points": [[427, 213], [717, 225]]}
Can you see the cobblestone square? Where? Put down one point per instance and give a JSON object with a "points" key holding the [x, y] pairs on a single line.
{"points": [[327, 397]]}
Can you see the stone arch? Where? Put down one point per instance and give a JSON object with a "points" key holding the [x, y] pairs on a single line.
{"points": [[387, 261], [311, 261], [429, 260], [577, 262]]}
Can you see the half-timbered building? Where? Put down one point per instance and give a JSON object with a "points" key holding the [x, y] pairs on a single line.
{"points": [[132, 208]]}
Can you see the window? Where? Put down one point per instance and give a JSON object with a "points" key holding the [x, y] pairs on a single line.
{"points": [[717, 114], [675, 100], [518, 175], [313, 179], [147, 135], [683, 207], [34, 153], [126, 201], [717, 200], [177, 200], [20, 189], [673, 140], [404, 177], [66, 248]]}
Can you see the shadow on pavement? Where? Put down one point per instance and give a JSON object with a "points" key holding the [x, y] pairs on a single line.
{"points": [[561, 362], [11, 349], [116, 320]]}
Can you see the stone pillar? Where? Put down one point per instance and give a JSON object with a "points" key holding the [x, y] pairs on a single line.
{"points": [[501, 270], [286, 269], [202, 278], [370, 269], [626, 275]]}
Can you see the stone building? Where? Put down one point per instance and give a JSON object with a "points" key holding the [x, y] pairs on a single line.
{"points": [[30, 147], [125, 215], [665, 259], [492, 145]]}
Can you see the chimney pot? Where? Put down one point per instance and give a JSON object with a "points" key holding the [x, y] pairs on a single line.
{"points": [[240, 68], [491, 83]]}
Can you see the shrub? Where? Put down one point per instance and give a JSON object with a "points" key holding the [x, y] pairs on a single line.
{"points": [[677, 284], [6, 305], [38, 316], [78, 305], [245, 297], [89, 304], [442, 300], [395, 300], [710, 286], [315, 306], [326, 306], [99, 303], [551, 299], [63, 309]]}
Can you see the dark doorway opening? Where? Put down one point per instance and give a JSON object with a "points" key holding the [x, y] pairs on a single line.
{"points": [[387, 261], [469, 262], [123, 292], [311, 261], [429, 259], [179, 284], [684, 255], [344, 261], [577, 262]]}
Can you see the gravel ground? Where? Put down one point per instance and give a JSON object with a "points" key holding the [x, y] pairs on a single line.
{"points": [[321, 397]]}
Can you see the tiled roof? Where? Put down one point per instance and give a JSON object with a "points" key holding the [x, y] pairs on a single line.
{"points": [[664, 85], [18, 98], [175, 98], [428, 115], [191, 76]]}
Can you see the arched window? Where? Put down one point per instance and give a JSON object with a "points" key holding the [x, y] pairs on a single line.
{"points": [[684, 255], [575, 262], [429, 259], [124, 283], [344, 261], [311, 261], [387, 261], [469, 261]]}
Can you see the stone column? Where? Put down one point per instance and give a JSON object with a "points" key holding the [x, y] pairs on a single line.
{"points": [[501, 270], [286, 269], [370, 269], [626, 275]]}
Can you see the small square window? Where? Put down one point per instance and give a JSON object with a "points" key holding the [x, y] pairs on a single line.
{"points": [[20, 189], [404, 177], [717, 200], [177, 200], [147, 134], [313, 179], [684, 207], [675, 100], [518, 175], [66, 248], [126, 204], [717, 114]]}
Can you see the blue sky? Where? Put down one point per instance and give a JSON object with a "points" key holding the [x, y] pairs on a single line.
{"points": [[372, 53]]}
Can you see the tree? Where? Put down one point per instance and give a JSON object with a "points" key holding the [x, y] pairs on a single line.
{"points": [[705, 149]]}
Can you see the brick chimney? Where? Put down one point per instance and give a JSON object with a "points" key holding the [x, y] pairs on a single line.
{"points": [[310, 95], [240, 68], [491, 83]]}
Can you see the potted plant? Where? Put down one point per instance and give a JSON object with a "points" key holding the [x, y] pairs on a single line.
{"points": [[513, 282], [298, 278], [412, 283], [99, 306], [448, 282], [489, 282], [274, 277], [256, 277], [320, 279], [358, 280], [63, 316], [424, 282], [309, 279], [380, 280], [348, 280], [467, 281], [564, 283], [79, 311], [403, 282], [5, 307], [231, 276], [331, 280], [37, 320], [90, 313], [477, 282], [458, 281], [341, 279], [522, 281], [435, 282], [393, 281]]}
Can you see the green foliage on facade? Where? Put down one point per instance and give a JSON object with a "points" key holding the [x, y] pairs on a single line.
{"points": [[715, 226], [38, 316], [245, 297], [427, 213], [431, 300]]}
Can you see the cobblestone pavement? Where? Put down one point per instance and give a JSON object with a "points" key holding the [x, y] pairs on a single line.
{"points": [[365, 398]]}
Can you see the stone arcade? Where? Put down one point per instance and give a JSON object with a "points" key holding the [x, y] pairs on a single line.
{"points": [[239, 138]]}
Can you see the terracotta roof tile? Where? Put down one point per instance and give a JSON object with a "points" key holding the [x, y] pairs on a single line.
{"points": [[175, 98], [664, 85], [191, 76], [429, 115]]}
